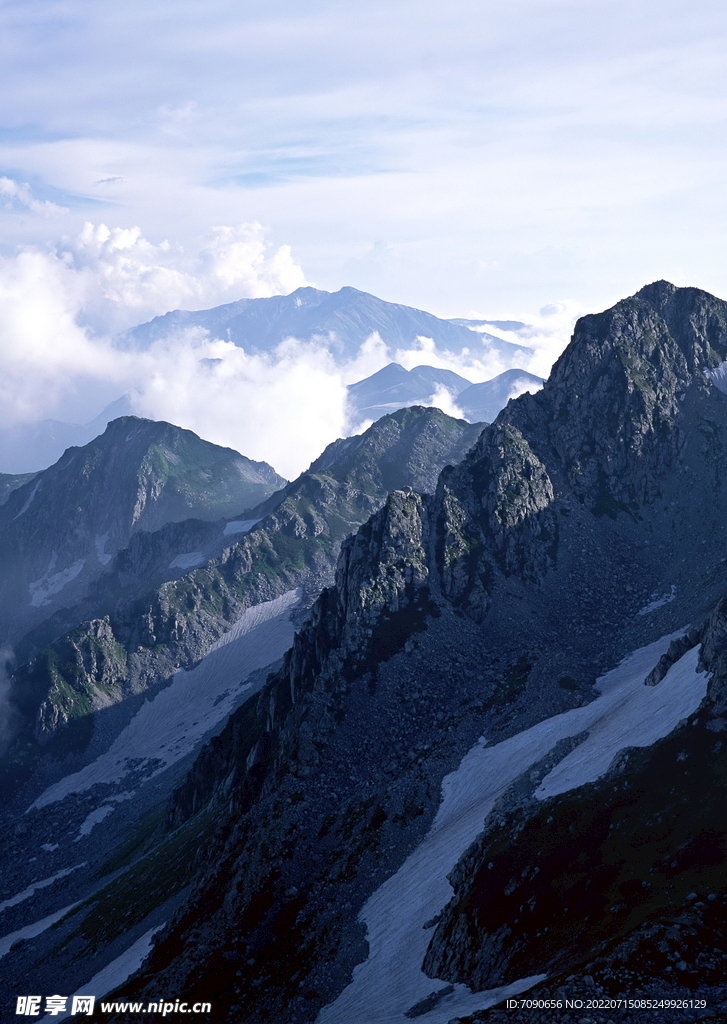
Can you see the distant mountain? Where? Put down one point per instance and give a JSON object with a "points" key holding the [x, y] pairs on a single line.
{"points": [[393, 387], [479, 325], [482, 402], [35, 446], [344, 319], [60, 530]]}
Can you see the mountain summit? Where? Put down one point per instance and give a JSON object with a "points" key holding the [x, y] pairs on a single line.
{"points": [[60, 529], [344, 319]]}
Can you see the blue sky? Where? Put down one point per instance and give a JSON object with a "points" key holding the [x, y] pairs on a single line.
{"points": [[464, 157], [475, 159]]}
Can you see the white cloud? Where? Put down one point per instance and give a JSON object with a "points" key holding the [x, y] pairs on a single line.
{"points": [[46, 358], [14, 194], [60, 355], [543, 336], [540, 149], [130, 279], [546, 335], [60, 308], [442, 399], [282, 407]]}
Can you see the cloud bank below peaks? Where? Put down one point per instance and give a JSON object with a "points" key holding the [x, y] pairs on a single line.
{"points": [[63, 311], [282, 407], [129, 279]]}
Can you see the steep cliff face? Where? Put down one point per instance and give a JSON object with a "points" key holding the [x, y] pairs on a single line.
{"points": [[629, 421], [587, 521], [380, 600], [494, 516], [612, 416]]}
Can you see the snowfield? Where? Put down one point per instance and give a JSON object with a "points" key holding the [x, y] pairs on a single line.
{"points": [[28, 500], [239, 526], [113, 974], [188, 561], [42, 590], [167, 728], [34, 886], [626, 714], [31, 930]]}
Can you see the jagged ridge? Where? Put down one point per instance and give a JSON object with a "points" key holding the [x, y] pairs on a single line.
{"points": [[562, 513]]}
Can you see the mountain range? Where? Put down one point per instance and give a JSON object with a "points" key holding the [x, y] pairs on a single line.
{"points": [[437, 725], [340, 321], [344, 318], [393, 388]]}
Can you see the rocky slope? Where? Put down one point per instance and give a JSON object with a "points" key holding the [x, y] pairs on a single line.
{"points": [[139, 634], [586, 522], [60, 530], [103, 734]]}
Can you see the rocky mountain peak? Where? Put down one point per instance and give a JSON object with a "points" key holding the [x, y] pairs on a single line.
{"points": [[611, 417], [62, 529], [660, 334]]}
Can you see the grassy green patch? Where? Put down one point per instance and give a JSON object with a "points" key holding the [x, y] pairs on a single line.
{"points": [[147, 883]]}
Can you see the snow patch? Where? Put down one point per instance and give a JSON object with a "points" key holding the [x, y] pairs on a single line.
{"points": [[31, 930], [659, 601], [188, 561], [239, 526], [93, 819], [114, 974], [49, 847], [718, 376], [167, 728], [42, 590], [627, 716], [101, 553], [28, 501], [627, 713], [42, 884]]}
